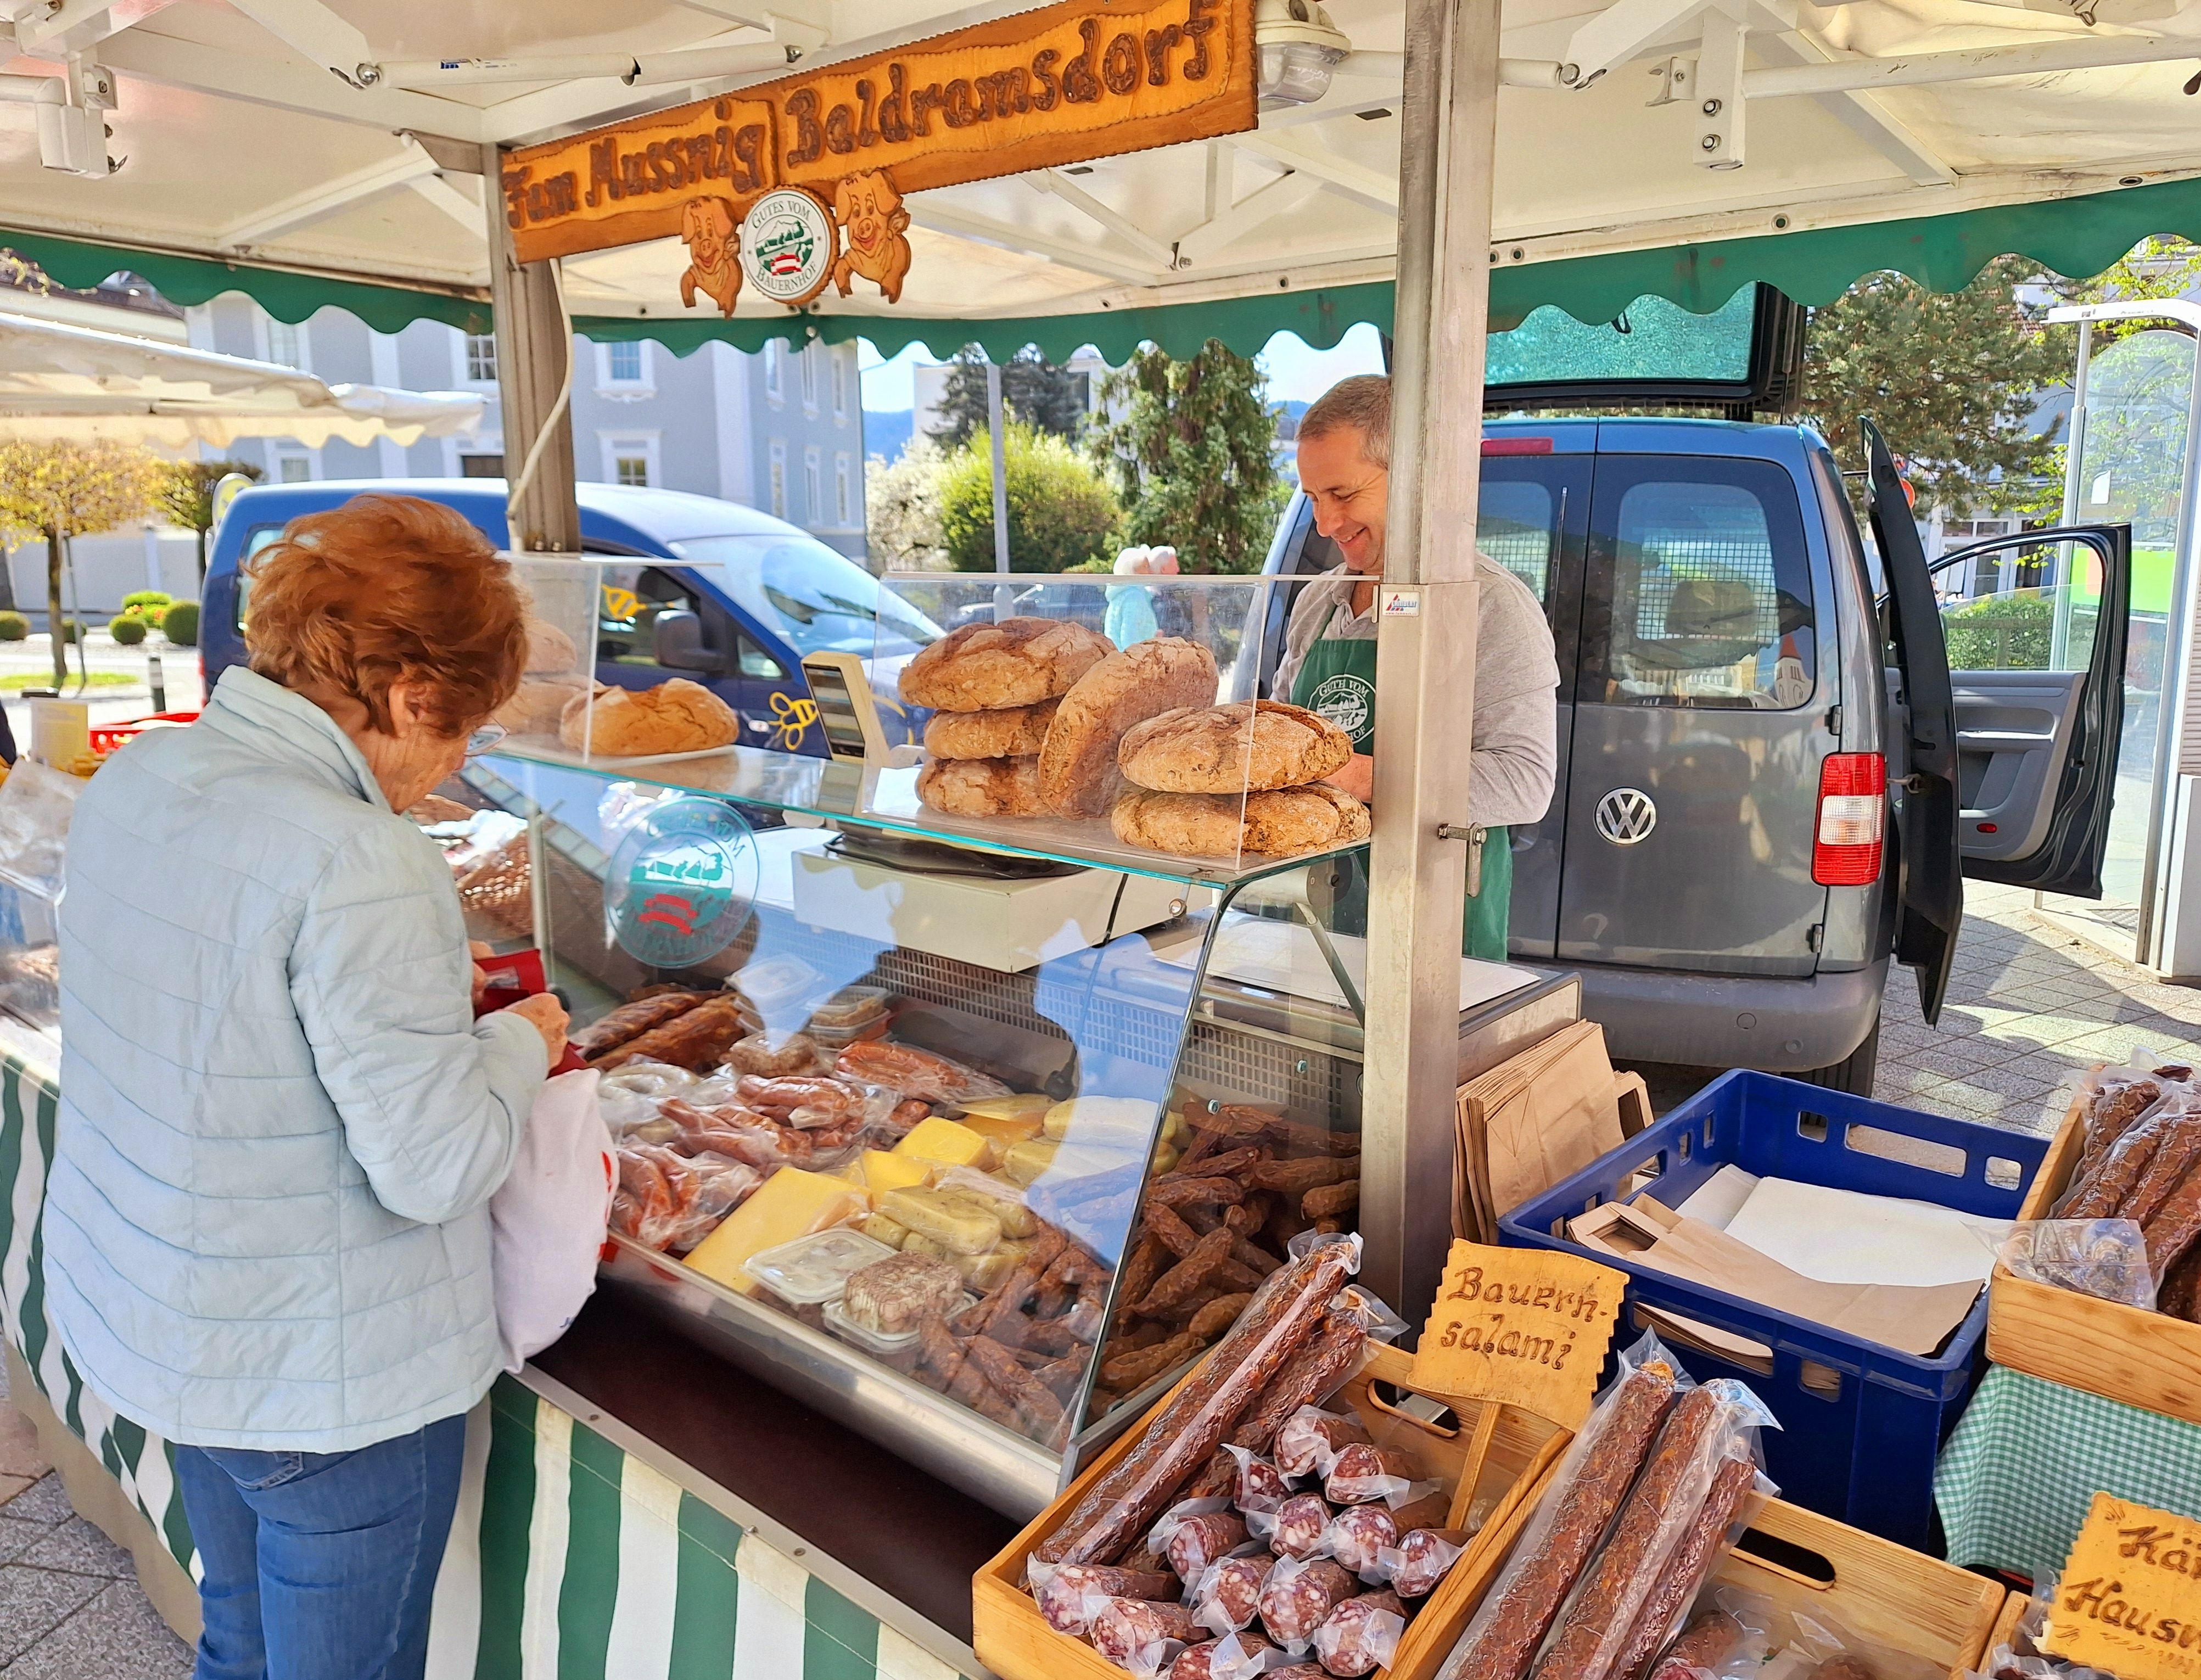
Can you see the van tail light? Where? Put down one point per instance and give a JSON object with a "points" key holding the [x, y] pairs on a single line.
{"points": [[1845, 851]]}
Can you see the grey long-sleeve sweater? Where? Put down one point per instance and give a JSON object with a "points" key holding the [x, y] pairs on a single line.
{"points": [[1517, 677]]}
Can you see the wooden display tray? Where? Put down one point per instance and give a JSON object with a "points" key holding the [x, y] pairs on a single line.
{"points": [[1885, 1594], [1014, 1642], [2005, 1625], [2141, 1359]]}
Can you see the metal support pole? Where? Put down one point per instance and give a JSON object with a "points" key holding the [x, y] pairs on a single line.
{"points": [[2075, 444], [2178, 666], [997, 431], [1425, 647], [533, 346]]}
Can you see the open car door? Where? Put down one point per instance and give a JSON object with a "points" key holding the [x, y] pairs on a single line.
{"points": [[2034, 627], [1921, 769]]}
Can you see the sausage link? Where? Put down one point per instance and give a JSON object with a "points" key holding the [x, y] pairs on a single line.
{"points": [[1515, 1625], [1710, 1641], [1700, 1553], [2172, 1228], [1311, 1377], [1297, 1598], [2119, 1171], [1361, 1635], [1614, 1585], [2174, 1156]]}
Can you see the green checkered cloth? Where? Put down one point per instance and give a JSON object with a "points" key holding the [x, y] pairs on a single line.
{"points": [[2028, 1456]]}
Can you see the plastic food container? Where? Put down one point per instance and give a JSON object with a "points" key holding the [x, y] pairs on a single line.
{"points": [[815, 1269], [776, 988], [899, 1351]]}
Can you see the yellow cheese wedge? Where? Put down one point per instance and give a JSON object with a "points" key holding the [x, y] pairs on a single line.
{"points": [[791, 1203], [1003, 1130], [1016, 1107], [882, 1172], [948, 1143]]}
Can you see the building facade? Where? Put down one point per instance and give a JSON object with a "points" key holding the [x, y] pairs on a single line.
{"points": [[782, 431]]}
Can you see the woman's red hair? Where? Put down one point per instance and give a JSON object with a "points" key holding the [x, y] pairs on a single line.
{"points": [[384, 589]]}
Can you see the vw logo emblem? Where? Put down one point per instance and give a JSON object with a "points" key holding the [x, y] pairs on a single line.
{"points": [[1626, 816]]}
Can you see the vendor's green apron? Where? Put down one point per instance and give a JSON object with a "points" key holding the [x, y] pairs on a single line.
{"points": [[1337, 678]]}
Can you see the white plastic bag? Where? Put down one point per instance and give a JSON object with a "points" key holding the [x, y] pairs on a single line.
{"points": [[547, 1223]]}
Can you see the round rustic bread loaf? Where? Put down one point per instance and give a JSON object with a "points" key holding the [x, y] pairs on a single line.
{"points": [[549, 649], [538, 703], [1211, 824], [1015, 662], [1077, 768], [982, 787], [678, 716], [1248, 744], [1005, 732]]}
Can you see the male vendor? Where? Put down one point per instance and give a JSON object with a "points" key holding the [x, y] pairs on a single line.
{"points": [[1329, 662]]}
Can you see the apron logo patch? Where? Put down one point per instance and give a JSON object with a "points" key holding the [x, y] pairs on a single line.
{"points": [[1347, 701]]}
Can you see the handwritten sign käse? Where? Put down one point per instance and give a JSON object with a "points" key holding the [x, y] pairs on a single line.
{"points": [[2129, 1601], [1525, 1327]]}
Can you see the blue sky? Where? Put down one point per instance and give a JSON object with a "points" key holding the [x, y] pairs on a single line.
{"points": [[1296, 374]]}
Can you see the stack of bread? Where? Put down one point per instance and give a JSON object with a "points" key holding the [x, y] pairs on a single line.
{"points": [[1217, 781], [995, 689]]}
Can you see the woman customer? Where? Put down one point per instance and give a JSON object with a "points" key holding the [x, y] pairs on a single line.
{"points": [[267, 1229]]}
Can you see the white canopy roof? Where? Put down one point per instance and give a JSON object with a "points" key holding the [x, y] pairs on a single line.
{"points": [[236, 141], [61, 381]]}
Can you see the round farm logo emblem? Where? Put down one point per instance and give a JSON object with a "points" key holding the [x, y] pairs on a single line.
{"points": [[788, 241], [681, 884], [1349, 701]]}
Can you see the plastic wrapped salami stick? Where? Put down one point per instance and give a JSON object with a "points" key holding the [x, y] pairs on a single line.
{"points": [[1719, 1521], [1359, 1537], [2110, 1259], [1195, 1534], [1355, 1318], [1310, 1438], [1069, 1594], [1227, 1597], [1710, 1641], [1283, 1317], [1364, 1472], [1593, 1479], [1361, 1635], [1261, 1487], [1422, 1558], [1708, 1428], [1296, 1527], [1235, 1656], [1298, 1597], [1141, 1637], [2119, 1172]]}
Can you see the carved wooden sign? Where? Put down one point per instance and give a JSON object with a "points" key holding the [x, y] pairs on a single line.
{"points": [[834, 150], [2129, 1601], [1525, 1327]]}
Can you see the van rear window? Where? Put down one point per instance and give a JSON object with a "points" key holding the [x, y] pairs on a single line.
{"points": [[1700, 587]]}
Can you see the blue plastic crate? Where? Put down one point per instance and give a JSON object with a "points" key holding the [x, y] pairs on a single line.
{"points": [[1861, 1423]]}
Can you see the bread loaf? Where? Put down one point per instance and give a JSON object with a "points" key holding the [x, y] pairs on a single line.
{"points": [[1078, 771], [678, 716], [549, 649], [539, 703], [1015, 663], [982, 787], [1208, 825], [1005, 732], [1250, 744]]}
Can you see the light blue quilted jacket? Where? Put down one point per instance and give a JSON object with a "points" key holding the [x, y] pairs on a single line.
{"points": [[268, 1220]]}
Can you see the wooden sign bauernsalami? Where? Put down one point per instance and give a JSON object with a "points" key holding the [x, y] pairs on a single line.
{"points": [[1525, 1327], [1081, 80]]}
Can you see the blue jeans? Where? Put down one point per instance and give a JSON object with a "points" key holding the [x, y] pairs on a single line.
{"points": [[321, 1565]]}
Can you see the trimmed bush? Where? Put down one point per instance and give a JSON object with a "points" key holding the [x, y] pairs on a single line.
{"points": [[72, 632], [1061, 511], [126, 631], [180, 624], [139, 599], [14, 627]]}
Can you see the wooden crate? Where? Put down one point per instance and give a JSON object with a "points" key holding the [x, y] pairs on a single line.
{"points": [[1016, 1643], [2005, 1625], [1884, 1594], [2142, 1359]]}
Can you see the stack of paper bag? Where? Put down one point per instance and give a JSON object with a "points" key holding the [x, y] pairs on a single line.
{"points": [[1538, 1118]]}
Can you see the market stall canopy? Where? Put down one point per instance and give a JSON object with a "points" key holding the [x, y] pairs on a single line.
{"points": [[62, 381], [318, 154]]}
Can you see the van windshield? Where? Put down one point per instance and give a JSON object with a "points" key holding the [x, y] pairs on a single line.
{"points": [[821, 601]]}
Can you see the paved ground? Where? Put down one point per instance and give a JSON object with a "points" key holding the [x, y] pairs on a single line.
{"points": [[2030, 1009]]}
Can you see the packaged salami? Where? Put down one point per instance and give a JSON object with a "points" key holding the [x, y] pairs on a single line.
{"points": [[1555, 1546], [1361, 1635], [1310, 1438], [1261, 1487], [1227, 1597], [1362, 1472], [1235, 1656], [2107, 1259], [1359, 1537], [1140, 1635], [1422, 1558], [1298, 1597], [1676, 1525], [1295, 1528], [1193, 1534], [1070, 1594]]}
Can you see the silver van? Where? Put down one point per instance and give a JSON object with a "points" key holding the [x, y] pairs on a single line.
{"points": [[1770, 782]]}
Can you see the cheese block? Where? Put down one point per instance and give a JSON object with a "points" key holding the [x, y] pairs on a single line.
{"points": [[1002, 1130], [880, 1172], [1093, 1119], [880, 1229], [1025, 1163], [959, 1225], [1015, 1107], [791, 1203], [948, 1141]]}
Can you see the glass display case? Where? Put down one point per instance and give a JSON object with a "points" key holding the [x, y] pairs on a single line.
{"points": [[968, 1129]]}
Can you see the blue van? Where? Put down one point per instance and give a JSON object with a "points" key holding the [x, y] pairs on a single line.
{"points": [[762, 593]]}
